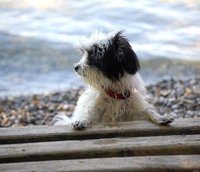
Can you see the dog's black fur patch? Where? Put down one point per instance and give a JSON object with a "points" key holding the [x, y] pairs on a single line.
{"points": [[114, 57]]}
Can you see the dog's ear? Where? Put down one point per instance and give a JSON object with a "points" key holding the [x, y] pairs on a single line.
{"points": [[125, 54]]}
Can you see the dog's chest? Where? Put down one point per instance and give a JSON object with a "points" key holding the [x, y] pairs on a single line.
{"points": [[112, 110]]}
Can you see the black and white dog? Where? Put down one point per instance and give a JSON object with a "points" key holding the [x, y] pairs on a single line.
{"points": [[116, 91]]}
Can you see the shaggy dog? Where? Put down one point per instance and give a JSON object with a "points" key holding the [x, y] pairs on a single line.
{"points": [[116, 91]]}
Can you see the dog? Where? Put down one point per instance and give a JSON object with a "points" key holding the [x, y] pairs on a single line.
{"points": [[116, 90]]}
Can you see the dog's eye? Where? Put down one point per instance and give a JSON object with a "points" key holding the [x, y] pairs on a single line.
{"points": [[97, 50], [90, 54], [100, 50]]}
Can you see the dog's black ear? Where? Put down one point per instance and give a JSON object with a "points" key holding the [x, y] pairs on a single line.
{"points": [[125, 54]]}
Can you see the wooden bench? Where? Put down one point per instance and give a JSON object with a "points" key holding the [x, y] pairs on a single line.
{"points": [[130, 146]]}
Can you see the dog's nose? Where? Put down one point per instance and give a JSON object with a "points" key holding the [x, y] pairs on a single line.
{"points": [[76, 67]]}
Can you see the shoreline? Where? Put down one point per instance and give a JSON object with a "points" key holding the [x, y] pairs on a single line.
{"points": [[180, 98], [15, 82]]}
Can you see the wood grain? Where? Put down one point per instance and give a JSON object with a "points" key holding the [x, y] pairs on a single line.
{"points": [[124, 129], [178, 163], [95, 148]]}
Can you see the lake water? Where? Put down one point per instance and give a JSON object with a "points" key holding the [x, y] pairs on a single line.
{"points": [[38, 38]]}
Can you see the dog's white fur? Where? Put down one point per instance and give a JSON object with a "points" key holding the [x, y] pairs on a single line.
{"points": [[95, 105]]}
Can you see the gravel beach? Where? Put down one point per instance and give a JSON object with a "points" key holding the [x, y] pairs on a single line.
{"points": [[180, 98]]}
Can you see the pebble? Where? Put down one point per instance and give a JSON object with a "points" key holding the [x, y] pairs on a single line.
{"points": [[179, 98], [37, 109]]}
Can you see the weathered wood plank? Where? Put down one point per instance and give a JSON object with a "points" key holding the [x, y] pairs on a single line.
{"points": [[180, 163], [124, 129], [110, 147]]}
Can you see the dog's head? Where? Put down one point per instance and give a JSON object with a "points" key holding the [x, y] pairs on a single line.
{"points": [[107, 58]]}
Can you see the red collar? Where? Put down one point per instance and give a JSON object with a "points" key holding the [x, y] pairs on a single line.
{"points": [[121, 96]]}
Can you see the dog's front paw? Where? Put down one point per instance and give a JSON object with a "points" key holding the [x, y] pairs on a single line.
{"points": [[166, 119], [80, 124]]}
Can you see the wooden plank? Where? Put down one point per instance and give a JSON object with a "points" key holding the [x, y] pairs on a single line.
{"points": [[110, 147], [178, 163], [124, 129]]}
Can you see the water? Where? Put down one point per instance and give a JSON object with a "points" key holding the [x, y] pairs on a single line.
{"points": [[38, 38]]}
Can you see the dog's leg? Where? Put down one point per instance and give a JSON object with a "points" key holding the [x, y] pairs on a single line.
{"points": [[83, 116], [157, 118], [80, 119], [85, 111], [148, 111]]}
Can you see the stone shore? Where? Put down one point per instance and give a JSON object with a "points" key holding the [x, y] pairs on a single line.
{"points": [[180, 98]]}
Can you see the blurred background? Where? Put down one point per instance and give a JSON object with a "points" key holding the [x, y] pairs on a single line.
{"points": [[38, 39]]}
